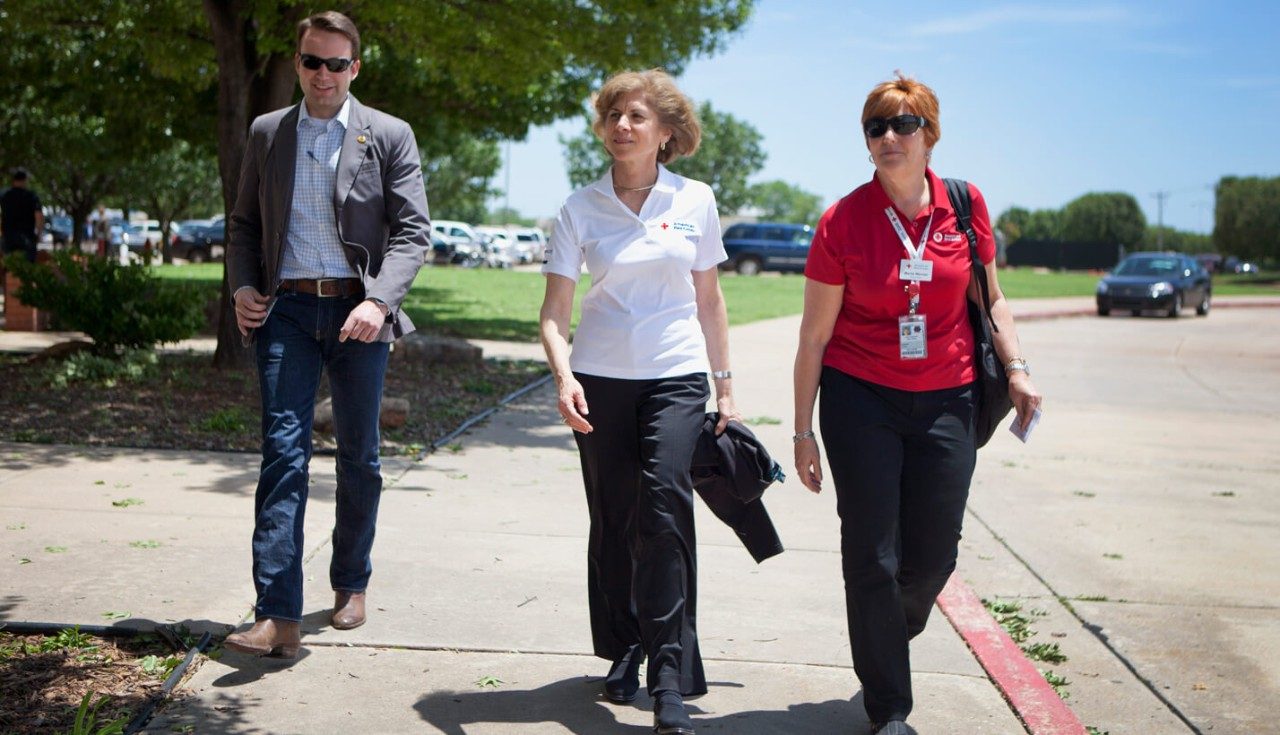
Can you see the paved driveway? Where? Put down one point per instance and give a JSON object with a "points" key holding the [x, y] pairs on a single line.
{"points": [[1148, 498]]}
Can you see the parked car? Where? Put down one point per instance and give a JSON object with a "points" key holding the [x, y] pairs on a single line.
{"points": [[531, 245], [766, 246], [59, 229], [146, 235], [1156, 281], [1235, 265], [199, 243], [1212, 262]]}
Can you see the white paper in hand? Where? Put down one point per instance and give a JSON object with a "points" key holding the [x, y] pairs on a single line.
{"points": [[1024, 434]]}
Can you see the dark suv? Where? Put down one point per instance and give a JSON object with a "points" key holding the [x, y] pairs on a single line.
{"points": [[198, 243], [767, 246]]}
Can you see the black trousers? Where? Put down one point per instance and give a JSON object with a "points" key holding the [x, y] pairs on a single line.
{"points": [[18, 242], [901, 462], [641, 566]]}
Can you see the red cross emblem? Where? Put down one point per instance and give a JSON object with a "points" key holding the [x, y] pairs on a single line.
{"points": [[664, 225]]}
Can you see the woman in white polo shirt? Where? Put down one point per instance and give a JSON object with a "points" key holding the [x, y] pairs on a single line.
{"points": [[634, 388]]}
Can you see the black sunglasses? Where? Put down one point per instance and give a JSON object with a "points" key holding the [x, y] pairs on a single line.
{"points": [[336, 64], [902, 125]]}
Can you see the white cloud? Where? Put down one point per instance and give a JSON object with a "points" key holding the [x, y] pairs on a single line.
{"points": [[982, 20]]}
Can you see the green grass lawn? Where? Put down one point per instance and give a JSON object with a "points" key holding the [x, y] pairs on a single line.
{"points": [[495, 304]]}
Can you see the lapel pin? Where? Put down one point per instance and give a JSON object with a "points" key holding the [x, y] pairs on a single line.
{"points": [[360, 139]]}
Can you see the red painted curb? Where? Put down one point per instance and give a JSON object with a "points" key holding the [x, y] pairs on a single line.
{"points": [[1032, 699]]}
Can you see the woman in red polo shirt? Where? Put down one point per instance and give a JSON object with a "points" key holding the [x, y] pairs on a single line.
{"points": [[886, 335]]}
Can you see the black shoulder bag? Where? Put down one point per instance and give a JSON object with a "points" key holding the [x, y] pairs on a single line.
{"points": [[991, 402]]}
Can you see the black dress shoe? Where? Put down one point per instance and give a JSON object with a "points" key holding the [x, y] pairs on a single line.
{"points": [[669, 717], [623, 680]]}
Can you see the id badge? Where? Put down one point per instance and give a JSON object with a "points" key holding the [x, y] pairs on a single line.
{"points": [[912, 337], [910, 269]]}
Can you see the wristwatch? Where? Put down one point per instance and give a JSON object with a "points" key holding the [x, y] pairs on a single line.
{"points": [[1017, 363]]}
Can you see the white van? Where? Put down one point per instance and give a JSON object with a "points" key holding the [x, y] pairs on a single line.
{"points": [[456, 233], [530, 244]]}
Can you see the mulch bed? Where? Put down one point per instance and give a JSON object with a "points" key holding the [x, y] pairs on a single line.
{"points": [[183, 402], [42, 680]]}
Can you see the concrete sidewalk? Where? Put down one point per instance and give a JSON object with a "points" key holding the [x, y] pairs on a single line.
{"points": [[478, 619]]}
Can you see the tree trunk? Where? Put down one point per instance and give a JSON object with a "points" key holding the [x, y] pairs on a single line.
{"points": [[248, 85]]}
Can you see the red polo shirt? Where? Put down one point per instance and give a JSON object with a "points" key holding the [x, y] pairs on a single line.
{"points": [[857, 247]]}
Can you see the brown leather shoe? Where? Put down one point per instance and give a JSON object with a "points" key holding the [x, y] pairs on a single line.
{"points": [[348, 610], [268, 637]]}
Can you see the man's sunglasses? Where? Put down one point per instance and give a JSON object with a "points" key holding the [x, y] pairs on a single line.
{"points": [[902, 125], [335, 65]]}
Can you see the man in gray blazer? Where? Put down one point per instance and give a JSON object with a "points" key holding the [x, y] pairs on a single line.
{"points": [[329, 229]]}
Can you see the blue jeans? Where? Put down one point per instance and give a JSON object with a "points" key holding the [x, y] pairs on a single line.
{"points": [[299, 337]]}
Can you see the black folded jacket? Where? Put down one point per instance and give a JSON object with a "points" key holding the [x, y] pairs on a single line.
{"points": [[730, 472]]}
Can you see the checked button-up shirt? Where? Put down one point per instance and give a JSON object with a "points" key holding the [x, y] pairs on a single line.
{"points": [[312, 248]]}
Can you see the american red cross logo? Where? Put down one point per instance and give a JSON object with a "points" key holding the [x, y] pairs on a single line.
{"points": [[664, 225]]}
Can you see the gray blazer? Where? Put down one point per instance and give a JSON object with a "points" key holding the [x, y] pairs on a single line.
{"points": [[379, 202]]}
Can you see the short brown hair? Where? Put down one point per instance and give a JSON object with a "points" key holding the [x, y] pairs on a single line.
{"points": [[331, 21], [887, 97], [674, 109]]}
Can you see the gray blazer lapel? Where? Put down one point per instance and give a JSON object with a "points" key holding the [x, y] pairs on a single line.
{"points": [[282, 155], [355, 146]]}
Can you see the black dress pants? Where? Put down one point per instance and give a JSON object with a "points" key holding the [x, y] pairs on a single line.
{"points": [[901, 462], [641, 566]]}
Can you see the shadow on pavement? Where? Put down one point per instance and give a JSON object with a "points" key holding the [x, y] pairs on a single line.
{"points": [[216, 712], [578, 705], [532, 422]]}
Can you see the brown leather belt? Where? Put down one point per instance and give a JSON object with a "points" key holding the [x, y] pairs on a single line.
{"points": [[324, 287]]}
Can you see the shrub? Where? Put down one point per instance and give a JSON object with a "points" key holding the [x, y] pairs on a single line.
{"points": [[117, 306], [128, 366]]}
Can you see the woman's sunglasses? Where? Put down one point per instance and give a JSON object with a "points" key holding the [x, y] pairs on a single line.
{"points": [[335, 65], [902, 125]]}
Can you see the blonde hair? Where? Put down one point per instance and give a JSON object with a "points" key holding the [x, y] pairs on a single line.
{"points": [[674, 109], [919, 99]]}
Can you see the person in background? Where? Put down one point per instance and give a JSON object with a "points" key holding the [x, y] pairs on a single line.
{"points": [[21, 217], [885, 334]]}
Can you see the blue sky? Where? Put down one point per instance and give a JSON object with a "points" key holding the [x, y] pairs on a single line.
{"points": [[1040, 102]]}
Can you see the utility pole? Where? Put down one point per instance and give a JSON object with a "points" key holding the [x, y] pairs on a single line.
{"points": [[1160, 197], [506, 204]]}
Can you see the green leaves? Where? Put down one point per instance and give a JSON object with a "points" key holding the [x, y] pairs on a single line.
{"points": [[118, 307], [1110, 217], [1246, 219], [779, 201], [126, 502], [159, 667]]}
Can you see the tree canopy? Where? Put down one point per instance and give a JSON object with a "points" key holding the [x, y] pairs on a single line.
{"points": [[779, 201], [458, 181], [1247, 217], [1106, 217]]}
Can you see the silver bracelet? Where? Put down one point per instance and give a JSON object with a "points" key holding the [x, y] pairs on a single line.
{"points": [[721, 374], [806, 434]]}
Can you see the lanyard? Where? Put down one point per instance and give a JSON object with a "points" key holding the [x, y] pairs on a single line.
{"points": [[916, 253]]}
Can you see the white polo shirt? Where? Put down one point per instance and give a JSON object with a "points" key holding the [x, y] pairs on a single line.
{"points": [[640, 316]]}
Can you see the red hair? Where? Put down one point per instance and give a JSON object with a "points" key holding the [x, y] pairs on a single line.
{"points": [[888, 97]]}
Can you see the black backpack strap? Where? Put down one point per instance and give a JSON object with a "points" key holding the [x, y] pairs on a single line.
{"points": [[958, 193]]}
